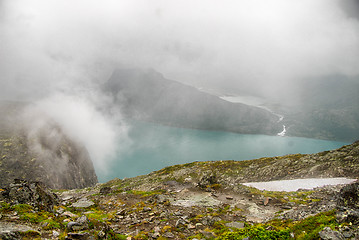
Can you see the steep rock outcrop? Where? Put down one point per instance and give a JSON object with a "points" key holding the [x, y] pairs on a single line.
{"points": [[34, 147]]}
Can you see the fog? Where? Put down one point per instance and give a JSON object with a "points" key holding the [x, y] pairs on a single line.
{"points": [[239, 45], [56, 52]]}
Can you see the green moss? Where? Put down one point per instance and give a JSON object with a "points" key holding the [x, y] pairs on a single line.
{"points": [[30, 235], [306, 229], [5, 207], [52, 224], [21, 208], [100, 216], [310, 227], [220, 228], [35, 217], [141, 236], [145, 193], [115, 236], [258, 232]]}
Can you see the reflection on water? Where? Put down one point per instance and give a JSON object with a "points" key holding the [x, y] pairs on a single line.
{"points": [[155, 146]]}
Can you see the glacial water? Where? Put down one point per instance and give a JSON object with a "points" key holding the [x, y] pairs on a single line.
{"points": [[155, 146]]}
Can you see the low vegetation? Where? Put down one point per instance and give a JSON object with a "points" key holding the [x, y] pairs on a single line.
{"points": [[200, 200]]}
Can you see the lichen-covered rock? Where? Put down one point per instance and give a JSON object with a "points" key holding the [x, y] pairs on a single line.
{"points": [[80, 224], [329, 234], [349, 196], [12, 231], [34, 194], [83, 203], [348, 203]]}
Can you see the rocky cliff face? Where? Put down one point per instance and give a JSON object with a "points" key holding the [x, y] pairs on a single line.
{"points": [[33, 147]]}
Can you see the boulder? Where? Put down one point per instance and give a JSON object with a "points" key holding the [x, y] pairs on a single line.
{"points": [[329, 234], [14, 231], [80, 224], [348, 196], [32, 193], [348, 203], [83, 203]]}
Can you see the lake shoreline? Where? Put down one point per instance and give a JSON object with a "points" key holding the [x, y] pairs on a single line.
{"points": [[156, 146]]}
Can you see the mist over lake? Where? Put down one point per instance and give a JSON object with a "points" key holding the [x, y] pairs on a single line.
{"points": [[156, 146]]}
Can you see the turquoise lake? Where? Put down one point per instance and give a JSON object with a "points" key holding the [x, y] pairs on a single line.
{"points": [[155, 146]]}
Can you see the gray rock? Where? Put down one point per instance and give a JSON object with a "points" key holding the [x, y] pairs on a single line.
{"points": [[235, 225], [161, 198], [105, 190], [180, 222], [207, 180], [156, 235], [72, 224], [44, 224], [147, 209], [171, 183], [82, 220], [208, 234], [191, 226], [168, 235], [80, 224], [13, 231], [122, 212], [60, 211], [347, 234], [349, 215], [32, 193], [348, 196], [69, 214], [287, 207], [101, 234], [329, 234], [83, 203], [55, 233]]}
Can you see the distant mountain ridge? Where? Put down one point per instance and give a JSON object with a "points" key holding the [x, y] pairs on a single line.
{"points": [[326, 108], [147, 95]]}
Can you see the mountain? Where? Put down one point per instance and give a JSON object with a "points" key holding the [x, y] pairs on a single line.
{"points": [[199, 200], [147, 95], [34, 147], [326, 108]]}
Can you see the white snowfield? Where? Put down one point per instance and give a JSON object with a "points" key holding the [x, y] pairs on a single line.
{"points": [[295, 184]]}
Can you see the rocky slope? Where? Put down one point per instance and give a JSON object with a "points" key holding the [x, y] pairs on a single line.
{"points": [[201, 200], [35, 148], [147, 95]]}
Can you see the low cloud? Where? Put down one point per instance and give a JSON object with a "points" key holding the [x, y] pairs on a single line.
{"points": [[79, 119]]}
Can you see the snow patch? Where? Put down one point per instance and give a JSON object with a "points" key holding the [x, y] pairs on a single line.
{"points": [[295, 184]]}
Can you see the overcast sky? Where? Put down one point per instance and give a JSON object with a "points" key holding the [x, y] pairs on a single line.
{"points": [[53, 44]]}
